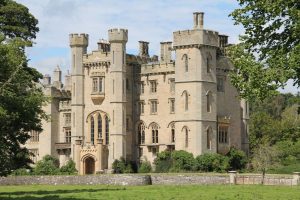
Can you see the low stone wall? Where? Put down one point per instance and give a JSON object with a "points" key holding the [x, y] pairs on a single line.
{"points": [[105, 179], [188, 179], [153, 179]]}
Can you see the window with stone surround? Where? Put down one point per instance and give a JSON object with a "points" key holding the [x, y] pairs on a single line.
{"points": [[98, 85], [106, 130], [67, 117], [99, 126], [172, 105], [186, 140], [153, 86], [141, 133], [154, 129], [173, 133], [208, 62], [142, 87], [220, 84], [153, 107], [172, 85], [223, 134], [92, 130], [34, 136], [208, 101], [209, 138], [68, 135]]}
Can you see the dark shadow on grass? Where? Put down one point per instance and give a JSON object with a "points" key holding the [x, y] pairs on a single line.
{"points": [[55, 193]]}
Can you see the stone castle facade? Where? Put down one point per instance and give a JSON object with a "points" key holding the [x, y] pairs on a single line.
{"points": [[114, 104]]}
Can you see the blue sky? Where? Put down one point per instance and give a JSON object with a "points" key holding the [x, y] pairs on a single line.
{"points": [[149, 20]]}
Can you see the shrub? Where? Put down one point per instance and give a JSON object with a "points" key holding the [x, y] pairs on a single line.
{"points": [[69, 168], [121, 166], [211, 162], [21, 172], [182, 161], [163, 162], [237, 159], [145, 167], [49, 165]]}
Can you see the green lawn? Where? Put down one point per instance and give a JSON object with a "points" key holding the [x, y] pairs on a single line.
{"points": [[211, 192]]}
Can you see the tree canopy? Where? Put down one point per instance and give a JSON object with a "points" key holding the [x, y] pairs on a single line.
{"points": [[272, 39], [21, 99]]}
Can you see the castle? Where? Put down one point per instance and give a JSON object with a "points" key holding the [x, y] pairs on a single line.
{"points": [[114, 104]]}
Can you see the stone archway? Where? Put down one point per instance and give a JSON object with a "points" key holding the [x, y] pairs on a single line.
{"points": [[89, 165]]}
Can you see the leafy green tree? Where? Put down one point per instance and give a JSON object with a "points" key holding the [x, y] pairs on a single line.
{"points": [[122, 166], [69, 168], [264, 158], [49, 165], [272, 34], [211, 162], [21, 99], [163, 162], [145, 167], [182, 161], [237, 159]]}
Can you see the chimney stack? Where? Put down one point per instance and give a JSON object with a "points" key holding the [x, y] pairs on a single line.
{"points": [[198, 20], [144, 49], [165, 51]]}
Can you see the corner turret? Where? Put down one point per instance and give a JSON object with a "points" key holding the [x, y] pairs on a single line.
{"points": [[79, 40]]}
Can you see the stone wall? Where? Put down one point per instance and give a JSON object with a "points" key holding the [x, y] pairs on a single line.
{"points": [[153, 179]]}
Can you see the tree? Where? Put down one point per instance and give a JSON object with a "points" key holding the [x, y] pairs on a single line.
{"points": [[21, 99], [272, 31], [49, 165], [264, 157]]}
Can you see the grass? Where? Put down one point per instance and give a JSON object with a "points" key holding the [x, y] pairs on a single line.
{"points": [[95, 192]]}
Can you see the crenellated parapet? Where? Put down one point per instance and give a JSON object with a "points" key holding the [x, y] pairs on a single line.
{"points": [[81, 40], [195, 37], [158, 68], [117, 35]]}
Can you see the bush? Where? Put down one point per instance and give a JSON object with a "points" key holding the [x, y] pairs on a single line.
{"points": [[121, 166], [145, 167], [163, 162], [211, 162], [21, 172], [69, 168], [182, 161], [237, 159], [49, 165]]}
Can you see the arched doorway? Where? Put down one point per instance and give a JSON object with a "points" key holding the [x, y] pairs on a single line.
{"points": [[89, 165]]}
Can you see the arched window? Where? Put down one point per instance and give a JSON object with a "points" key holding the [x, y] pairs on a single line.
{"points": [[106, 130], [186, 131], [208, 138], [154, 133], [172, 133], [208, 101], [92, 130], [186, 62], [186, 101], [99, 126], [141, 133]]}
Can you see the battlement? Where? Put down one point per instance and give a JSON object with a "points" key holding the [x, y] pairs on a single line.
{"points": [[79, 39], [117, 35], [195, 37], [153, 68]]}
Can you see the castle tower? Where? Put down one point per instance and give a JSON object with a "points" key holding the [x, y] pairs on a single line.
{"points": [[117, 145], [78, 44], [195, 66]]}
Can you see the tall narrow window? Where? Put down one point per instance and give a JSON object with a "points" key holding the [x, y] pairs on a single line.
{"points": [[127, 85], [208, 138], [153, 87], [186, 62], [220, 84], [92, 130], [142, 88], [208, 101], [172, 86], [74, 61], [154, 133], [173, 134], [141, 107], [172, 105], [101, 88], [106, 130], [95, 84], [141, 133], [68, 135], [186, 101], [153, 106], [99, 127], [67, 119], [186, 137], [223, 134]]}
